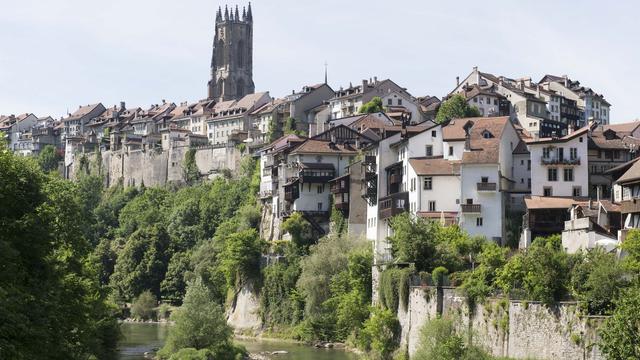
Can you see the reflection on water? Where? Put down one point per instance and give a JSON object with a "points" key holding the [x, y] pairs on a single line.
{"points": [[139, 338]]}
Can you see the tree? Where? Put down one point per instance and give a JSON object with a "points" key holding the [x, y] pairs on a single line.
{"points": [[48, 158], [142, 263], [291, 127], [380, 333], [143, 305], [542, 272], [51, 304], [456, 107], [373, 106], [190, 170], [440, 341], [241, 257], [597, 281], [620, 333], [300, 230], [200, 324], [173, 285]]}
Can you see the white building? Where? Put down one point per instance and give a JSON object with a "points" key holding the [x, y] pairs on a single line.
{"points": [[230, 120], [559, 166]]}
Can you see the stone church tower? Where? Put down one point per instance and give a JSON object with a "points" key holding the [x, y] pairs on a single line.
{"points": [[232, 59]]}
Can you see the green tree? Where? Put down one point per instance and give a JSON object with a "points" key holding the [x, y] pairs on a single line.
{"points": [[380, 333], [456, 107], [142, 263], [48, 158], [631, 247], [51, 305], [597, 281], [620, 333], [173, 285], [143, 305], [300, 230], [542, 272], [190, 171], [291, 127], [200, 324], [373, 106], [241, 257]]}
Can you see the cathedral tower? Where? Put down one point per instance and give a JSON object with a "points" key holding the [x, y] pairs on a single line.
{"points": [[232, 59]]}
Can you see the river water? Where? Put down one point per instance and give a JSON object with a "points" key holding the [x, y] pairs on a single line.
{"points": [[140, 338]]}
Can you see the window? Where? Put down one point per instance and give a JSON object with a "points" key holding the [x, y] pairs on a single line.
{"points": [[319, 206], [428, 150], [450, 150], [560, 153], [548, 191], [428, 183], [528, 164], [545, 153], [389, 101], [432, 206], [319, 158], [475, 99], [433, 133], [568, 174], [577, 191], [319, 189], [479, 221], [552, 174], [521, 162], [573, 153], [484, 179], [399, 101], [580, 139], [529, 183]]}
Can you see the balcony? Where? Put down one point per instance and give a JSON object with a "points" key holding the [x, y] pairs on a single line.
{"points": [[291, 191], [630, 206], [487, 186], [395, 179], [340, 185], [268, 161], [393, 205], [316, 173], [557, 161], [470, 208]]}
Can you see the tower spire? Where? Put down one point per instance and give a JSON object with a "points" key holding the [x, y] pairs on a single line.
{"points": [[244, 13], [325, 72], [249, 15], [226, 13], [219, 14], [237, 18]]}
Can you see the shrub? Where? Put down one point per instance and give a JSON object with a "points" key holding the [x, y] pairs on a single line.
{"points": [[439, 275], [440, 341], [379, 335], [143, 305]]}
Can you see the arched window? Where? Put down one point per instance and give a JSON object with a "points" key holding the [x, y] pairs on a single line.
{"points": [[220, 86], [240, 54]]}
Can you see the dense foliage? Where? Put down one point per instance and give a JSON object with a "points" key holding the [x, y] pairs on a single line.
{"points": [[373, 106], [456, 107], [200, 325], [51, 302], [440, 341]]}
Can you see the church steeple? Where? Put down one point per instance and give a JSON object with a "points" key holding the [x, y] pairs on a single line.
{"points": [[232, 58]]}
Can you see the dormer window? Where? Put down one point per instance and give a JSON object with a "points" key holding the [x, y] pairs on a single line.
{"points": [[487, 134]]}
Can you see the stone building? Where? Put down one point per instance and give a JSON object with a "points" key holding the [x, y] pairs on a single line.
{"points": [[232, 58]]}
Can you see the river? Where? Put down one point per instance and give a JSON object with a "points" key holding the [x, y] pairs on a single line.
{"points": [[140, 338]]}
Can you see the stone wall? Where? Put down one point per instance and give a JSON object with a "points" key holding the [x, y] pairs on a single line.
{"points": [[158, 167], [520, 330]]}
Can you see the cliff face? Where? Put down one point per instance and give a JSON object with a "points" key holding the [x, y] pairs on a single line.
{"points": [[244, 313]]}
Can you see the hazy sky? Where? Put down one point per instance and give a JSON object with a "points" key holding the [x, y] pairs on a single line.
{"points": [[56, 55]]}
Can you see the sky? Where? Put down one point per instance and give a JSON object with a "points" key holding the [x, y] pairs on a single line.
{"points": [[58, 55]]}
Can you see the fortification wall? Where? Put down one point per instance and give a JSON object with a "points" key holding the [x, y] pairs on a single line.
{"points": [[516, 329], [155, 167]]}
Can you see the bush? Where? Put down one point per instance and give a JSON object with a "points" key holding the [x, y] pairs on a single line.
{"points": [[394, 288], [380, 334], [440, 341], [143, 305], [620, 333], [164, 311], [438, 275]]}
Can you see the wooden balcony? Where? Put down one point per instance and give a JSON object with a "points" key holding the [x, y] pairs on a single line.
{"points": [[470, 208], [340, 185], [487, 186], [630, 206], [395, 179], [393, 205]]}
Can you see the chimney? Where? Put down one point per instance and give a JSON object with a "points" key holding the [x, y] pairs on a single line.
{"points": [[457, 80], [365, 83], [538, 88], [375, 80], [122, 105], [333, 138], [566, 80], [475, 70], [357, 142], [570, 129]]}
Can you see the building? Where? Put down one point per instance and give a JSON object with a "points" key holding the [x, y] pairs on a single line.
{"points": [[590, 103], [232, 58], [74, 124], [17, 130], [347, 102], [610, 146], [231, 120]]}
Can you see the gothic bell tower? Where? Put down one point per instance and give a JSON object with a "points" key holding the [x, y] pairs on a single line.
{"points": [[232, 58]]}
